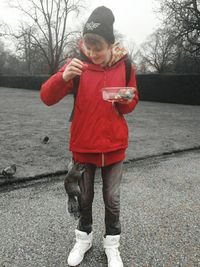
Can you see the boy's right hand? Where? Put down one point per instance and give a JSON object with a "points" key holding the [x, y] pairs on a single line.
{"points": [[74, 68]]}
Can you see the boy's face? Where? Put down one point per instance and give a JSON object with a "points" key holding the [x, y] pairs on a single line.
{"points": [[99, 54]]}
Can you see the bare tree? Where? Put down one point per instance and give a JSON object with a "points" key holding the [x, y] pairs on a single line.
{"points": [[48, 30], [28, 52], [4, 29], [9, 64], [183, 17], [2, 56], [132, 51], [25, 45], [158, 51]]}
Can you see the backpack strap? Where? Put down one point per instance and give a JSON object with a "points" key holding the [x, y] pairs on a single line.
{"points": [[76, 81], [128, 69]]}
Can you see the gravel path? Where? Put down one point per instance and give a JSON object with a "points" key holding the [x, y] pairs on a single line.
{"points": [[160, 213]]}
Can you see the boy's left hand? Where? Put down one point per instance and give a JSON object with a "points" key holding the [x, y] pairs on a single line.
{"points": [[126, 101], [126, 97]]}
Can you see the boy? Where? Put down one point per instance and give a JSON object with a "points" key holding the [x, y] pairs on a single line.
{"points": [[99, 133]]}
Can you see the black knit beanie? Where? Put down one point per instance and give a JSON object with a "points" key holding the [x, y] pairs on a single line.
{"points": [[101, 22]]}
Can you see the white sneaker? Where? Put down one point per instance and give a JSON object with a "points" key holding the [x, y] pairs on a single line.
{"points": [[82, 245], [111, 244]]}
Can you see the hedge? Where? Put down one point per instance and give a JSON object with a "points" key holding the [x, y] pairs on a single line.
{"points": [[166, 88], [170, 88], [24, 82]]}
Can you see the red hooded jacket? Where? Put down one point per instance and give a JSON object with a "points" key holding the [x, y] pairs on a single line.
{"points": [[99, 132]]}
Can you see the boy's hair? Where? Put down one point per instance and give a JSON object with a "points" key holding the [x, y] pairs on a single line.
{"points": [[94, 40]]}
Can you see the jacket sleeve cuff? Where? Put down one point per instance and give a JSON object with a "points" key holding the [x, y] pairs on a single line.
{"points": [[54, 89]]}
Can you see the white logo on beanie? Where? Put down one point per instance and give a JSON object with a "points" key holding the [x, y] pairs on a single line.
{"points": [[92, 25]]}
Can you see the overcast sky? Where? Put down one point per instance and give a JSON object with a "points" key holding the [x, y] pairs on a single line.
{"points": [[135, 19]]}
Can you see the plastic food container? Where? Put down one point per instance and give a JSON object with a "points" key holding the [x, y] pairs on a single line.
{"points": [[117, 94]]}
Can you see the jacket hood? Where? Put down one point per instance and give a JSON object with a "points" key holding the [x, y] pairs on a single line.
{"points": [[118, 53]]}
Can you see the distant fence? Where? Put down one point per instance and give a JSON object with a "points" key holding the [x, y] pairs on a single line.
{"points": [[170, 88], [166, 88]]}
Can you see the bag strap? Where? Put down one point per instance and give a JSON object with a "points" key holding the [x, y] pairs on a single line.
{"points": [[128, 69], [76, 81]]}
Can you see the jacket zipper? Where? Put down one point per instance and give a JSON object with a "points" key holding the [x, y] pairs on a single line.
{"points": [[103, 160]]}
